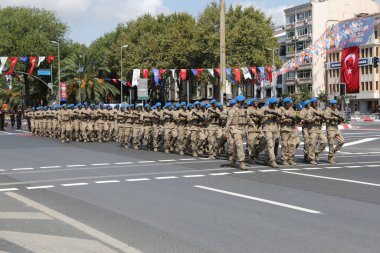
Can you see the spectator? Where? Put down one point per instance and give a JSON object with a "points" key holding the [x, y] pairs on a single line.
{"points": [[2, 119]]}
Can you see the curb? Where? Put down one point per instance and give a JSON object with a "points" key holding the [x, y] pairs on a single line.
{"points": [[341, 127]]}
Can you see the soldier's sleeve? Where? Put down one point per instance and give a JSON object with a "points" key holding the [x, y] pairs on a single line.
{"points": [[328, 115], [231, 113], [310, 117]]}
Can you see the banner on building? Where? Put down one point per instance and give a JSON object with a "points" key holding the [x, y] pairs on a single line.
{"points": [[63, 92], [350, 69]]}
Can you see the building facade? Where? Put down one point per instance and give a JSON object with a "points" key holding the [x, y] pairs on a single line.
{"points": [[304, 25]]}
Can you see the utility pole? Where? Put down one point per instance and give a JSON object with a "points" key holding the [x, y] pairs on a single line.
{"points": [[121, 75], [222, 84]]}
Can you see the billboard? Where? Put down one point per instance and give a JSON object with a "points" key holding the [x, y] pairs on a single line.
{"points": [[63, 92]]}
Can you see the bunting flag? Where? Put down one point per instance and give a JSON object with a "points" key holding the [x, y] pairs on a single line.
{"points": [[229, 75], [129, 84], [156, 75], [237, 75], [50, 59], [3, 61], [114, 81], [246, 73], [174, 74], [13, 65], [269, 69], [183, 74], [212, 73], [162, 71], [199, 71], [262, 72], [136, 77], [33, 63], [40, 60], [254, 71], [24, 59], [194, 72], [217, 70], [145, 73]]}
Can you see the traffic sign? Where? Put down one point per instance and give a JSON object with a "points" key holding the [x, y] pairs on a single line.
{"points": [[142, 89], [44, 72]]}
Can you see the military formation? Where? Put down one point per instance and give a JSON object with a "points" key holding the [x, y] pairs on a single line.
{"points": [[201, 128]]}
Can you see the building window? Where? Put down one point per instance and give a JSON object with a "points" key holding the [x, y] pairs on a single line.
{"points": [[290, 34], [301, 16], [370, 69], [290, 76], [301, 45], [375, 34], [377, 51], [304, 74], [370, 86], [304, 31], [366, 70], [366, 52], [370, 52], [366, 86], [290, 48], [290, 19], [308, 14], [279, 79], [362, 53], [291, 89], [377, 85]]}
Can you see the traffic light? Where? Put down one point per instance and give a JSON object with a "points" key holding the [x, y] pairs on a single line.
{"points": [[342, 89], [375, 62]]}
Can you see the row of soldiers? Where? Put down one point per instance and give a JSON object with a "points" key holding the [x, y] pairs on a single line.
{"points": [[200, 128]]}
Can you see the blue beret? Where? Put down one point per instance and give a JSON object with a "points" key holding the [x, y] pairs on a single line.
{"points": [[306, 102], [196, 103], [219, 104], [240, 98], [204, 104], [138, 106], [146, 106], [158, 104], [273, 100], [313, 100], [208, 106], [333, 102], [189, 105], [213, 101], [288, 100], [232, 102], [183, 104]]}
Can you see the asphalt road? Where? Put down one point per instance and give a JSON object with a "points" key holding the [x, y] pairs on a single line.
{"points": [[98, 197]]}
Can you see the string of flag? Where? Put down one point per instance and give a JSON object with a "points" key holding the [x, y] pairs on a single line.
{"points": [[32, 59]]}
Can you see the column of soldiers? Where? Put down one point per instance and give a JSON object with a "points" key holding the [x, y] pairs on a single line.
{"points": [[200, 128]]}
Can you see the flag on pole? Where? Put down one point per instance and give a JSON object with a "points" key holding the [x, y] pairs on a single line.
{"points": [[350, 69], [162, 71], [237, 74], [13, 65], [136, 77], [217, 70], [269, 69], [194, 71], [156, 76], [254, 71], [246, 73], [51, 59], [145, 73], [212, 73], [262, 72], [183, 74], [3, 61], [174, 74], [33, 63], [40, 60]]}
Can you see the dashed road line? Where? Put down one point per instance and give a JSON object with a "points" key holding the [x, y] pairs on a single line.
{"points": [[171, 160], [40, 187], [191, 176], [289, 169], [219, 174], [188, 159], [372, 165], [268, 170], [74, 184], [21, 169], [8, 189], [107, 182], [50, 167], [100, 164], [146, 162], [123, 163], [137, 179], [331, 168], [354, 166], [244, 172], [169, 177], [1, 170], [75, 165], [313, 168]]}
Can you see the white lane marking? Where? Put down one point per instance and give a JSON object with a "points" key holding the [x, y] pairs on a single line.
{"points": [[108, 240], [243, 172], [146, 162], [40, 187], [259, 199], [137, 179], [100, 164], [373, 165], [313, 168], [204, 158], [75, 165], [268, 170], [2, 132], [107, 182], [190, 176], [17, 169], [169, 177], [172, 160], [289, 169], [333, 178], [123, 163], [24, 216], [331, 168], [8, 189], [2, 170], [360, 141], [219, 174], [374, 152], [354, 166], [188, 159], [75, 184], [50, 167]]}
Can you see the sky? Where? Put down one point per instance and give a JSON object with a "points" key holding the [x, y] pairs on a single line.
{"points": [[90, 19]]}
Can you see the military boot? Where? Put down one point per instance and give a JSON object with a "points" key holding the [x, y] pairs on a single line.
{"points": [[233, 163], [242, 166], [274, 165], [331, 160]]}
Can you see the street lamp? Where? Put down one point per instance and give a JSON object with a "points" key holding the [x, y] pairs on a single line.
{"points": [[121, 75], [59, 72], [274, 93], [222, 34]]}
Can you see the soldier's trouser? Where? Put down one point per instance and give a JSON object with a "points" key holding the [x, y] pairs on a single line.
{"points": [[136, 135], [181, 139], [252, 142], [156, 134], [168, 137], [267, 143], [315, 136], [237, 135], [173, 142], [332, 134], [289, 140], [120, 134], [202, 136], [76, 128], [66, 130], [212, 139], [83, 131], [128, 135], [192, 139], [306, 141], [148, 136]]}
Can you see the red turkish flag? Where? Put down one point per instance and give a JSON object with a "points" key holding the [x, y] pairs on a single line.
{"points": [[237, 75], [217, 70], [183, 74], [33, 63], [269, 69], [199, 71], [145, 73], [161, 71], [13, 65], [254, 71], [51, 58], [350, 69]]}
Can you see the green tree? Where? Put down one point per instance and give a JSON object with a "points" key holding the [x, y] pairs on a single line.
{"points": [[29, 32]]}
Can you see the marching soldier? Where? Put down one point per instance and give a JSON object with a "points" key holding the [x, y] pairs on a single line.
{"points": [[253, 131], [305, 131]]}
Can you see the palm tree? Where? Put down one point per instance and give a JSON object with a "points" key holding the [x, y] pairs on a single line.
{"points": [[11, 96], [86, 85]]}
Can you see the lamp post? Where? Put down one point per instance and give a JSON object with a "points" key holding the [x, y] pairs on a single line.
{"points": [[274, 93], [222, 49], [121, 75], [59, 72]]}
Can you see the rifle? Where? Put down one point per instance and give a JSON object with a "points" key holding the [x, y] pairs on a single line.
{"points": [[273, 113], [340, 118]]}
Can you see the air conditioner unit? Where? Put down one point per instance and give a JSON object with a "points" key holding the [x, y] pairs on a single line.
{"points": [[293, 23], [309, 35], [306, 21], [294, 38], [297, 80]]}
